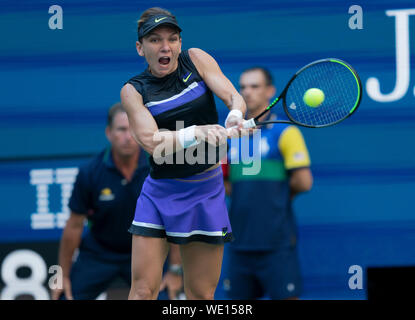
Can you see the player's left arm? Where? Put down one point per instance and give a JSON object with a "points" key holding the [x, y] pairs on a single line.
{"points": [[296, 160], [211, 73]]}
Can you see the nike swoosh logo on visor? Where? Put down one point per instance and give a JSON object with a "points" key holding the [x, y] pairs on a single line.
{"points": [[158, 20]]}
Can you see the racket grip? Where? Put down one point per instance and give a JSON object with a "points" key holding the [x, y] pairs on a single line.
{"points": [[246, 124], [249, 123]]}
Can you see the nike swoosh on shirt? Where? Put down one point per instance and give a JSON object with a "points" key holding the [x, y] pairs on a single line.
{"points": [[158, 20], [187, 78]]}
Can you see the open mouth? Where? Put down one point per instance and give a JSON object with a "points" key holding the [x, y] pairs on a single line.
{"points": [[164, 61]]}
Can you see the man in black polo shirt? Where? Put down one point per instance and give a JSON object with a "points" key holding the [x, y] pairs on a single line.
{"points": [[105, 192]]}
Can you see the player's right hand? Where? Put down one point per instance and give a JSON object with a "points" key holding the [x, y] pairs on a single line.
{"points": [[66, 290]]}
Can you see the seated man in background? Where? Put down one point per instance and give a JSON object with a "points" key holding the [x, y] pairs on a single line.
{"points": [[105, 193]]}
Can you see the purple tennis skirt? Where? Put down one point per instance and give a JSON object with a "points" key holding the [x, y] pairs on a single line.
{"points": [[184, 210]]}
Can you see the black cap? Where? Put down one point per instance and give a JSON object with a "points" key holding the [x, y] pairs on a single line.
{"points": [[154, 22]]}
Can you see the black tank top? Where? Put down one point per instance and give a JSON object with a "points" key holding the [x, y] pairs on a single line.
{"points": [[180, 96]]}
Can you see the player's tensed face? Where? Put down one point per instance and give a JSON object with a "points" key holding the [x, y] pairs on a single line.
{"points": [[161, 48], [254, 89], [120, 137]]}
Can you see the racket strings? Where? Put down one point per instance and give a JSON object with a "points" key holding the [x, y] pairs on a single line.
{"points": [[339, 86]]}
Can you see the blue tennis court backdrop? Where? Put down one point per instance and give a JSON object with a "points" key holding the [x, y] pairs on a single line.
{"points": [[56, 86]]}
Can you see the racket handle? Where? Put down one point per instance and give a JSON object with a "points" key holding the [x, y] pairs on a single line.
{"points": [[249, 123], [246, 124]]}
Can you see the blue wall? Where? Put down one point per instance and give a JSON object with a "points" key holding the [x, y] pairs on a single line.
{"points": [[56, 87]]}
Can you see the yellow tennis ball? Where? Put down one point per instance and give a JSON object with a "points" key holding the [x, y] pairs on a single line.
{"points": [[313, 97]]}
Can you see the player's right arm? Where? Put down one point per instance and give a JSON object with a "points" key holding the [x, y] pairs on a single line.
{"points": [[143, 126], [70, 241], [146, 132]]}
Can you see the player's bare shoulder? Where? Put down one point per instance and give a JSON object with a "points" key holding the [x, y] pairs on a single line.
{"points": [[130, 97], [202, 60], [196, 53], [128, 91]]}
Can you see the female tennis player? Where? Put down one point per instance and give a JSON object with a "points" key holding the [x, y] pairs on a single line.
{"points": [[171, 106]]}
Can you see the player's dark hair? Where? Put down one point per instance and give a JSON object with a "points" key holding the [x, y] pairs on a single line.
{"points": [[116, 108], [269, 81], [153, 12]]}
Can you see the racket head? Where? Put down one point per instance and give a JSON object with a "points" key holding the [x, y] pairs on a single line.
{"points": [[342, 90]]}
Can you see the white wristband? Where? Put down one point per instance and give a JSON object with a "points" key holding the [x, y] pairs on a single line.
{"points": [[234, 112], [187, 137]]}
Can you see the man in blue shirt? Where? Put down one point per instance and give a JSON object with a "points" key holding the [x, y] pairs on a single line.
{"points": [[105, 193], [263, 258]]}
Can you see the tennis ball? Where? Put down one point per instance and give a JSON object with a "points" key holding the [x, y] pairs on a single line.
{"points": [[313, 97]]}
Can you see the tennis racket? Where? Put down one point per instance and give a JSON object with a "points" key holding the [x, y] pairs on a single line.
{"points": [[341, 88]]}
